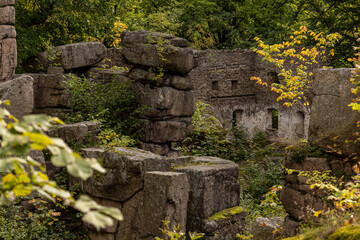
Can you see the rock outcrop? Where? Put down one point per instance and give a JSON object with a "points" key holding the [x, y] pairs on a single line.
{"points": [[149, 188], [8, 50], [162, 86], [298, 199], [76, 55], [332, 121], [153, 50]]}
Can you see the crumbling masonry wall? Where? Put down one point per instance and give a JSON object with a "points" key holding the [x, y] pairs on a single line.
{"points": [[222, 79]]}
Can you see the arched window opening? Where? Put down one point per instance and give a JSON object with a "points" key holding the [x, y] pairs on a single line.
{"points": [[234, 84], [274, 116], [300, 124], [215, 85], [275, 77], [237, 118]]}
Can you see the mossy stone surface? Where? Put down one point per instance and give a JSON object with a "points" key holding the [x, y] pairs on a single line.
{"points": [[350, 232], [226, 213]]}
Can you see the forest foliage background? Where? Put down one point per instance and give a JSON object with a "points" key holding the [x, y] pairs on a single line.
{"points": [[207, 24]]}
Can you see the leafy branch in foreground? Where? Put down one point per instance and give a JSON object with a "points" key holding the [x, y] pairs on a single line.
{"points": [[294, 63], [22, 175]]}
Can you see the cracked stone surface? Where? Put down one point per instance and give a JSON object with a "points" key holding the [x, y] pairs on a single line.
{"points": [[332, 121]]}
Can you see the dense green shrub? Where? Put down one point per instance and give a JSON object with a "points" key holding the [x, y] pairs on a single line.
{"points": [[258, 176], [111, 103], [40, 223], [209, 138]]}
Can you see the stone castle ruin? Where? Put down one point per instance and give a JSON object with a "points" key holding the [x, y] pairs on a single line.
{"points": [[154, 184]]}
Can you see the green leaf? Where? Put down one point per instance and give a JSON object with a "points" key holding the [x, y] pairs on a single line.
{"points": [[63, 158], [84, 204], [22, 189], [58, 192], [6, 164], [98, 220], [80, 168], [113, 212]]}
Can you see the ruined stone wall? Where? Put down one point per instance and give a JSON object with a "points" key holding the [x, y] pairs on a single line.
{"points": [[222, 79], [8, 50]]}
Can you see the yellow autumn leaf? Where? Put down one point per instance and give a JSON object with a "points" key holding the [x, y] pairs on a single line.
{"points": [[317, 213]]}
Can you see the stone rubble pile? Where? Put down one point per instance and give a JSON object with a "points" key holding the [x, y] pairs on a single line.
{"points": [[299, 201]]}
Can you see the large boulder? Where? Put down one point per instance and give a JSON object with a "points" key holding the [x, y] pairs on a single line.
{"points": [[21, 95], [164, 102], [125, 172], [75, 55], [332, 121], [155, 50]]}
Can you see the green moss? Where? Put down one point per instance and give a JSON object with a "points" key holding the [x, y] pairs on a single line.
{"points": [[226, 213], [191, 163], [124, 153], [350, 232], [300, 237]]}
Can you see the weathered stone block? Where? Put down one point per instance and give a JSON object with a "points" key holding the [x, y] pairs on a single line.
{"points": [[49, 91], [107, 75], [145, 37], [332, 120], [225, 224], [166, 131], [8, 58], [78, 131], [290, 227], [151, 78], [166, 196], [113, 58], [265, 228], [94, 235], [143, 48], [76, 55], [299, 204], [7, 15], [21, 95], [309, 164], [164, 102], [7, 31], [125, 172], [161, 149], [55, 70], [7, 3], [130, 227], [214, 186]]}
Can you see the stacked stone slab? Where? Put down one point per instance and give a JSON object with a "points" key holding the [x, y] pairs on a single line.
{"points": [[149, 188], [8, 50], [298, 199], [167, 95]]}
